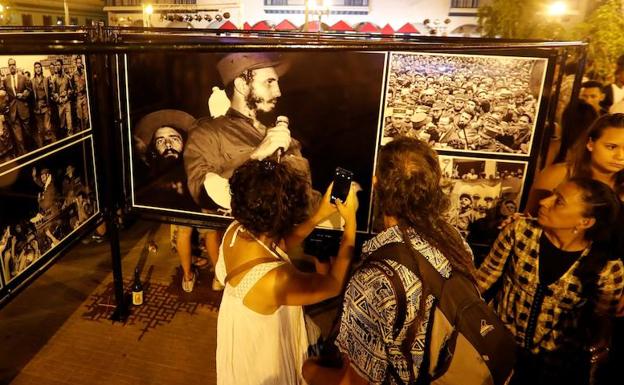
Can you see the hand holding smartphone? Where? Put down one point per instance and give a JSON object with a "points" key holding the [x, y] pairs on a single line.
{"points": [[342, 184]]}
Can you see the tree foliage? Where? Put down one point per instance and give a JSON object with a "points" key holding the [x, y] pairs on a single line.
{"points": [[512, 19], [604, 30]]}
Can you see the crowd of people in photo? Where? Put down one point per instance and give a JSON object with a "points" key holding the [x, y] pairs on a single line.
{"points": [[61, 201], [462, 102], [42, 104]]}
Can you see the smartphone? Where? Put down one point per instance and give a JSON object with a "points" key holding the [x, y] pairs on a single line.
{"points": [[342, 183]]}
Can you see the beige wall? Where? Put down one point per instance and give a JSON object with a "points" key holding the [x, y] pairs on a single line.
{"points": [[82, 10]]}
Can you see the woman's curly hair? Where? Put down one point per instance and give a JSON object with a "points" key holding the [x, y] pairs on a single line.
{"points": [[269, 197]]}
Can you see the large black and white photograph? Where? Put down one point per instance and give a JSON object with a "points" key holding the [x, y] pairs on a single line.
{"points": [[483, 192], [43, 99], [44, 201], [486, 104], [194, 118]]}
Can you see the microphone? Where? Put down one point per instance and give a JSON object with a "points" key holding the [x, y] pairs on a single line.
{"points": [[282, 122]]}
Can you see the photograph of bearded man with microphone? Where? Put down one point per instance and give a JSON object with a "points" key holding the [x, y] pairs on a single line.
{"points": [[313, 110], [251, 82]]}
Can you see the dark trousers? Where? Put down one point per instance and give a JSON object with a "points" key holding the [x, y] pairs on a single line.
{"points": [[551, 368]]}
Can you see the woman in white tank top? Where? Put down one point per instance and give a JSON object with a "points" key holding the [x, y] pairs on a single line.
{"points": [[261, 331]]}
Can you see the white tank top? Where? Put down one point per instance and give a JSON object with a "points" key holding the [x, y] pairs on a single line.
{"points": [[254, 348]]}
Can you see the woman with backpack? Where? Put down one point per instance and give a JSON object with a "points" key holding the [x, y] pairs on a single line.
{"points": [[557, 271], [410, 203]]}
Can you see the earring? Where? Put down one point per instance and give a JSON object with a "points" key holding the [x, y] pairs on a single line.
{"points": [[575, 230]]}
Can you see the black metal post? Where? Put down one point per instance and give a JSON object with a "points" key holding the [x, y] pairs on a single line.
{"points": [[108, 162]]}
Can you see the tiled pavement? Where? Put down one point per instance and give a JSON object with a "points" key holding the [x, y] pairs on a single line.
{"points": [[57, 330]]}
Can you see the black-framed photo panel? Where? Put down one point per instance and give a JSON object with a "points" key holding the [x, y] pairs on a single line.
{"points": [[45, 201], [44, 102], [484, 104], [193, 118]]}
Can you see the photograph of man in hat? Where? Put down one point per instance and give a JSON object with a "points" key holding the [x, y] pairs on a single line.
{"points": [[398, 123], [218, 146], [253, 105], [160, 136]]}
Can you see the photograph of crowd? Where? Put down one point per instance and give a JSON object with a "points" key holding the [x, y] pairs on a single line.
{"points": [[482, 191], [44, 201], [43, 99], [215, 111], [464, 103]]}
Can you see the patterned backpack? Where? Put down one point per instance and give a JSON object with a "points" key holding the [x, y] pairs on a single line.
{"points": [[467, 344]]}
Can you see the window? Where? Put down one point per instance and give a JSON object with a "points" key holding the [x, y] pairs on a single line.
{"points": [[27, 20], [47, 20], [464, 3], [59, 20], [73, 21], [88, 22]]}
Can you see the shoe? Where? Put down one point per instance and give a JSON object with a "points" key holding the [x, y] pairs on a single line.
{"points": [[97, 238], [216, 285], [201, 263], [94, 238], [188, 286]]}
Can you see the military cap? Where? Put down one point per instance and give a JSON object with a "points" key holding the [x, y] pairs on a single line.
{"points": [[233, 65]]}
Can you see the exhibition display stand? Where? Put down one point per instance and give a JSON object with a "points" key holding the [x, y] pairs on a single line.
{"points": [[81, 145]]}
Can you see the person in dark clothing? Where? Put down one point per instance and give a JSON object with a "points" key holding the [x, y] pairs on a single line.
{"points": [[18, 88], [592, 94], [574, 122]]}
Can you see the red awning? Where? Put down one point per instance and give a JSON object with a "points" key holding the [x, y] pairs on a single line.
{"points": [[368, 27], [387, 30], [341, 26], [408, 28], [246, 26], [314, 26], [228, 25], [285, 25], [261, 26]]}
